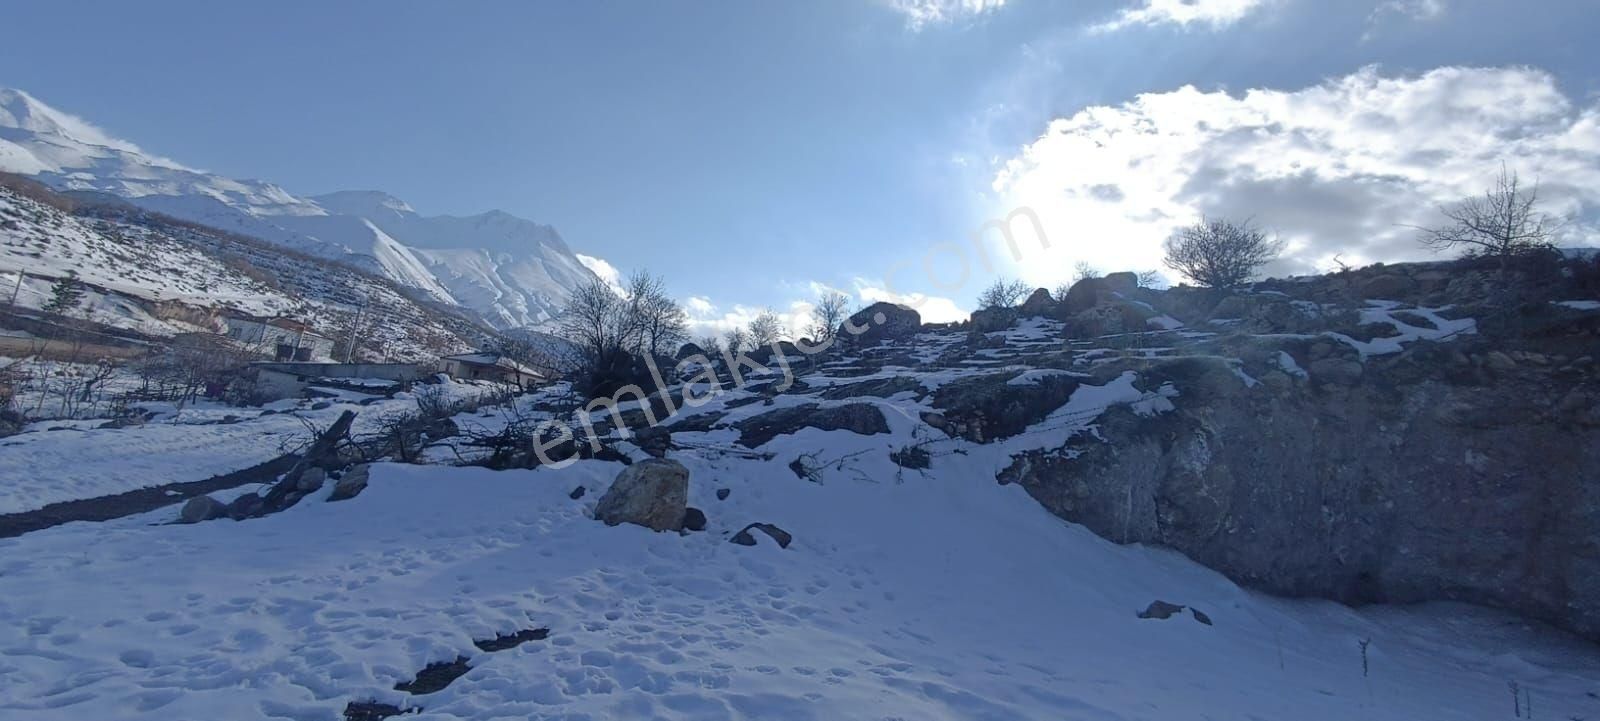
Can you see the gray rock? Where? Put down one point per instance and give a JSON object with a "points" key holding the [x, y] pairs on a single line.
{"points": [[694, 519], [1388, 286], [653, 493], [864, 418], [1420, 482], [882, 322], [1039, 303], [577, 493], [201, 508], [1160, 610], [1083, 295], [1499, 361], [745, 538], [310, 479], [1124, 282], [653, 440], [989, 320], [351, 484], [248, 505], [722, 494]]}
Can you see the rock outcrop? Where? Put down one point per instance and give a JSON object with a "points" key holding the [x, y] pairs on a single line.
{"points": [[1447, 471], [863, 418], [881, 322], [653, 493]]}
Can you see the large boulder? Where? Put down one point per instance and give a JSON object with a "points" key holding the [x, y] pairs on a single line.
{"points": [[1084, 294], [351, 483], [1111, 316], [1389, 286], [1039, 303], [989, 320], [1125, 282], [882, 322], [653, 493], [202, 508]]}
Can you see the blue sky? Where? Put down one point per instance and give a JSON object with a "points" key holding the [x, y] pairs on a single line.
{"points": [[750, 151]]}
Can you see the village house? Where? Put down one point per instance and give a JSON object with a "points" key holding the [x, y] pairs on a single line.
{"points": [[285, 339], [488, 366], [292, 379]]}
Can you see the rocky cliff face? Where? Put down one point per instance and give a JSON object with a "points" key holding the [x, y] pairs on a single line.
{"points": [[1352, 458]]}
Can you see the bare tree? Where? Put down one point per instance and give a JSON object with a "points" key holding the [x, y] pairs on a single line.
{"points": [[1150, 279], [1220, 253], [598, 321], [1003, 294], [1083, 271], [736, 340], [827, 315], [709, 344], [662, 323], [1502, 224], [765, 329]]}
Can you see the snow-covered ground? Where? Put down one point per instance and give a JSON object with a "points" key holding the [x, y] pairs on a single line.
{"points": [[62, 461], [942, 597], [907, 594]]}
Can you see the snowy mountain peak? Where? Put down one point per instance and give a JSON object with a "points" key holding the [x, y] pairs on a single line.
{"points": [[67, 140], [364, 203], [511, 271]]}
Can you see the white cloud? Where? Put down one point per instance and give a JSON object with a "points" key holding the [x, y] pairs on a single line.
{"points": [[605, 270], [1336, 168], [1414, 9], [1402, 10], [700, 305], [1214, 13], [922, 13], [709, 318], [933, 308]]}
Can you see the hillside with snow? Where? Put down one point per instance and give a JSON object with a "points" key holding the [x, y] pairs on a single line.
{"points": [[157, 278], [916, 563], [512, 272]]}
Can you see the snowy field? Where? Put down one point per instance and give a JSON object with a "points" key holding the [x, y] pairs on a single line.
{"points": [[905, 595], [67, 460], [931, 599]]}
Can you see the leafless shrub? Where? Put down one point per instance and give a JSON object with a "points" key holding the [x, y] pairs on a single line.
{"points": [[829, 312], [1083, 271], [765, 329], [1220, 253], [1502, 224], [1003, 294]]}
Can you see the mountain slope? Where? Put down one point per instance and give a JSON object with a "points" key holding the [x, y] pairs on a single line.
{"points": [[158, 277], [511, 271], [514, 272]]}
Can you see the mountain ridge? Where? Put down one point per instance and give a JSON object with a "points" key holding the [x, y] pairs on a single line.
{"points": [[511, 271]]}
